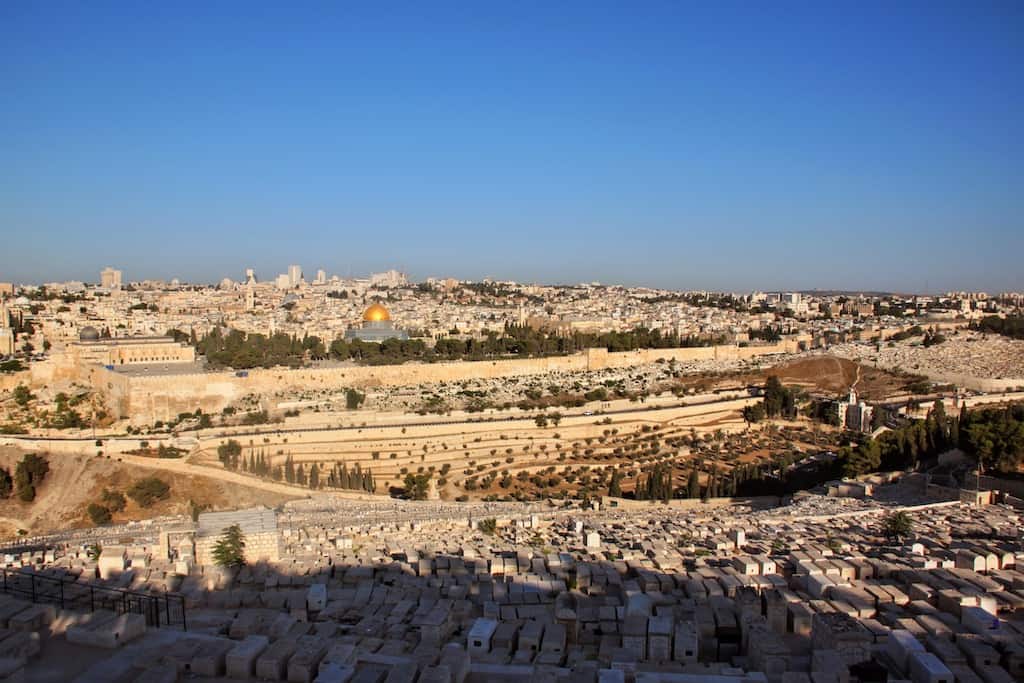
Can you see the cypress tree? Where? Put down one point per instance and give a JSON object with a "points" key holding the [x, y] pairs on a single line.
{"points": [[693, 485]]}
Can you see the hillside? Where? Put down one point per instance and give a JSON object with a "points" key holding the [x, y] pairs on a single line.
{"points": [[74, 481]]}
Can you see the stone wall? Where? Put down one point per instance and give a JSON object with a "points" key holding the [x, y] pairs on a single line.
{"points": [[162, 397], [258, 547]]}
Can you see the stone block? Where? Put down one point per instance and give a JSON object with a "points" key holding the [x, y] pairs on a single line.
{"points": [[272, 665], [240, 661], [106, 629]]}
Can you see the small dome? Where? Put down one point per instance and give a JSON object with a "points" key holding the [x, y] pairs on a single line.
{"points": [[376, 313], [89, 333]]}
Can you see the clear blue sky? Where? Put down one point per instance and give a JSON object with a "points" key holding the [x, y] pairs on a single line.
{"points": [[723, 146]]}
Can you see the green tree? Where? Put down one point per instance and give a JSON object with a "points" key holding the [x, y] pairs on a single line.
{"points": [[416, 486], [99, 514], [6, 483], [353, 399], [754, 413], [22, 395], [693, 484], [28, 475], [615, 486], [229, 454], [145, 492], [229, 550], [488, 526], [778, 400], [897, 526], [113, 500]]}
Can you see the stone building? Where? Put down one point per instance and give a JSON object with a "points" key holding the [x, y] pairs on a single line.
{"points": [[91, 348]]}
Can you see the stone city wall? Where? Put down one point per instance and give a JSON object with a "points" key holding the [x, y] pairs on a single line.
{"points": [[162, 397]]}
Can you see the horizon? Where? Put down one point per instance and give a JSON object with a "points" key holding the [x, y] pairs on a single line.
{"points": [[269, 281], [734, 148]]}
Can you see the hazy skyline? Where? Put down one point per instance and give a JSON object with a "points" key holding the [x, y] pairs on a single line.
{"points": [[735, 148]]}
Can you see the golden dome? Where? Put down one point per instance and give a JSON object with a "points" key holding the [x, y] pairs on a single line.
{"points": [[376, 313]]}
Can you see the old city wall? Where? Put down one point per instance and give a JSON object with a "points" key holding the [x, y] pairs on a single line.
{"points": [[162, 397], [978, 383]]}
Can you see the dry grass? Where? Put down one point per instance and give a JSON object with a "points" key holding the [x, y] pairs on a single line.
{"points": [[74, 481]]}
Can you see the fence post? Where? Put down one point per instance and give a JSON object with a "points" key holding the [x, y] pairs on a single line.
{"points": [[167, 608], [62, 593], [32, 581], [92, 599]]}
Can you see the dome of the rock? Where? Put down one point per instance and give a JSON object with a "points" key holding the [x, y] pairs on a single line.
{"points": [[376, 313]]}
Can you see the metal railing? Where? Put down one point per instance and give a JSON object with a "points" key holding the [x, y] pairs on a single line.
{"points": [[159, 609]]}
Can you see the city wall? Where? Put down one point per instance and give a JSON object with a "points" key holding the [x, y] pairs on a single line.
{"points": [[161, 397]]}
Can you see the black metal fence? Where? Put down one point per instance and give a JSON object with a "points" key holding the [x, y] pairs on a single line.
{"points": [[159, 609]]}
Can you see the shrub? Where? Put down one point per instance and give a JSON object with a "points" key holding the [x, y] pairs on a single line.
{"points": [[98, 514], [29, 473], [147, 491], [114, 500]]}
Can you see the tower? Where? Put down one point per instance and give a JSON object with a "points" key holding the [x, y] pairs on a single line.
{"points": [[110, 278]]}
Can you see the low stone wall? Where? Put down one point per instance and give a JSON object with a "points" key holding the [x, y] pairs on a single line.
{"points": [[756, 502]]}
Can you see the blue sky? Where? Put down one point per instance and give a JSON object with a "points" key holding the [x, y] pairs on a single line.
{"points": [[717, 145]]}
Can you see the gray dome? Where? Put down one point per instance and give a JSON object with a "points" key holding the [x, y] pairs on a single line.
{"points": [[89, 333]]}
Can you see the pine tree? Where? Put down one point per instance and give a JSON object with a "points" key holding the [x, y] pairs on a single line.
{"points": [[300, 475], [289, 470], [229, 550]]}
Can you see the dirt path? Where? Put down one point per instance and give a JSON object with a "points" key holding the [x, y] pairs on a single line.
{"points": [[220, 474]]}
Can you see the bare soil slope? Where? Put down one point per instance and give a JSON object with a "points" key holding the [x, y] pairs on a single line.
{"points": [[74, 481], [834, 375]]}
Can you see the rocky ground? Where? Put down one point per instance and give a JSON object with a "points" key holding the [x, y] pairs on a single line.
{"points": [[966, 353]]}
